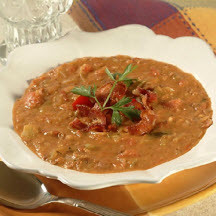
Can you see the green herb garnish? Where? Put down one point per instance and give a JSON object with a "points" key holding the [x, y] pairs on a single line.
{"points": [[122, 77], [130, 111], [119, 78]]}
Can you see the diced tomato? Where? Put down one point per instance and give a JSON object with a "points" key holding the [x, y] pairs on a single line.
{"points": [[174, 104], [34, 99], [82, 100]]}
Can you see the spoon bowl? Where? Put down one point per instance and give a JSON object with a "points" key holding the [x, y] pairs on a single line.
{"points": [[25, 191], [21, 190]]}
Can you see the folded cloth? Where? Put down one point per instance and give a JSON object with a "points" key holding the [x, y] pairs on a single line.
{"points": [[173, 18]]}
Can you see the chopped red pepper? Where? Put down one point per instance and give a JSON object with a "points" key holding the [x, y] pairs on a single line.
{"points": [[82, 100]]}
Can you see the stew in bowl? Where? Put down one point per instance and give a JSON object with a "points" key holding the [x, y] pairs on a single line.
{"points": [[112, 114]]}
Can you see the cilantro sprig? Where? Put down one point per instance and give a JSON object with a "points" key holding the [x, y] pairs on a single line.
{"points": [[119, 107]]}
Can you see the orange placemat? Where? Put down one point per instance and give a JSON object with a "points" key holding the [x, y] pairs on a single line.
{"points": [[134, 199]]}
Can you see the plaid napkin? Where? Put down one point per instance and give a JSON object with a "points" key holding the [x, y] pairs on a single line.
{"points": [[174, 18]]}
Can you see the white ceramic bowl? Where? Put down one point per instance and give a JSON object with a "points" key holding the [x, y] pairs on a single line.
{"points": [[188, 53]]}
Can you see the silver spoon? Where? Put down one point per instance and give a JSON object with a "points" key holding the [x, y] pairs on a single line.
{"points": [[24, 191]]}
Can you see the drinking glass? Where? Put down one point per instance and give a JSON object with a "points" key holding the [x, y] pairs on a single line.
{"points": [[31, 21]]}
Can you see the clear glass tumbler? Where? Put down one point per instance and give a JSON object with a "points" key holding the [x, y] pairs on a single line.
{"points": [[31, 21]]}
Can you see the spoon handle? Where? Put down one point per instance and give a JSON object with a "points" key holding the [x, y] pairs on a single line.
{"points": [[97, 209]]}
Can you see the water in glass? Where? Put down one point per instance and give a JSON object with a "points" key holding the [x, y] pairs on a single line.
{"points": [[31, 21]]}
